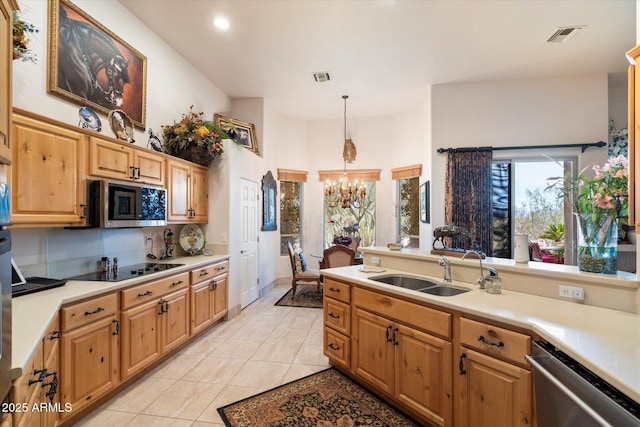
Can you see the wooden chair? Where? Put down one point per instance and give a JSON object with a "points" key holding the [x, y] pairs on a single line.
{"points": [[337, 256], [307, 276]]}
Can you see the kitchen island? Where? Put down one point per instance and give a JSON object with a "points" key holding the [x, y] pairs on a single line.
{"points": [[606, 341]]}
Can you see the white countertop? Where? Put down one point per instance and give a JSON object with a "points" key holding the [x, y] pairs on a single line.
{"points": [[605, 341], [31, 314]]}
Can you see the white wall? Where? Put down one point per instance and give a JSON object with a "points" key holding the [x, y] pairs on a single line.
{"points": [[511, 113]]}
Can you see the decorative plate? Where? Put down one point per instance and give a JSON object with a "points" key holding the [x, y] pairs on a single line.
{"points": [[89, 119], [121, 125], [191, 239]]}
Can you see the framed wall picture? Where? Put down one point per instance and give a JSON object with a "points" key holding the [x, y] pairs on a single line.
{"points": [[241, 132], [269, 193], [424, 202], [90, 64]]}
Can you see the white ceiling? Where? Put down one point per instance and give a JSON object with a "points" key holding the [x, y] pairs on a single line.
{"points": [[384, 53]]}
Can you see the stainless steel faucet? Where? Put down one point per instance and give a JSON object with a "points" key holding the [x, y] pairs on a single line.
{"points": [[492, 271], [447, 268]]}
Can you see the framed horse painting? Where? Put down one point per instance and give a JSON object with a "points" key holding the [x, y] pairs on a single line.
{"points": [[242, 132], [90, 64]]}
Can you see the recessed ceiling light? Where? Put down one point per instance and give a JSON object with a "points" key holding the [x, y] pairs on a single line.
{"points": [[221, 22]]}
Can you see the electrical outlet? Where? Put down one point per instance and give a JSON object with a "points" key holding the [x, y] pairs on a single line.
{"points": [[375, 260], [572, 292]]}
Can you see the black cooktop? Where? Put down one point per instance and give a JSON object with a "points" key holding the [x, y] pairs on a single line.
{"points": [[125, 272]]}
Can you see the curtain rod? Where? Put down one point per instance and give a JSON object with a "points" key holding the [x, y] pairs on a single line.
{"points": [[583, 147]]}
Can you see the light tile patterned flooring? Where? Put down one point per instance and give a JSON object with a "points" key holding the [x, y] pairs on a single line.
{"points": [[261, 348]]}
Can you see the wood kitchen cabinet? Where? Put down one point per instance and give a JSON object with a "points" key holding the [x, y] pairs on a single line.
{"points": [[337, 322], [394, 349], [114, 160], [39, 384], [187, 192], [6, 68], [90, 352], [47, 176], [209, 295], [155, 320], [634, 134], [495, 380]]}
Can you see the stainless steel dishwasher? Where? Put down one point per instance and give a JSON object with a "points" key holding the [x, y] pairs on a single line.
{"points": [[569, 395]]}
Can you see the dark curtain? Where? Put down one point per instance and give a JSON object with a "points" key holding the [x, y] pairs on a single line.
{"points": [[468, 195]]}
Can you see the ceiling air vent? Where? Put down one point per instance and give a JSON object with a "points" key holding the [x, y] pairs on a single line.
{"points": [[322, 77], [563, 34]]}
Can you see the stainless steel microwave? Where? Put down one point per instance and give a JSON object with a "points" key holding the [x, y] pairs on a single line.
{"points": [[114, 204]]}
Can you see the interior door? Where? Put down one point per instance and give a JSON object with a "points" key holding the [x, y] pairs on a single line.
{"points": [[249, 244]]}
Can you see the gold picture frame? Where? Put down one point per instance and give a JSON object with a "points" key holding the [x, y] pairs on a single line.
{"points": [[242, 132], [89, 64]]}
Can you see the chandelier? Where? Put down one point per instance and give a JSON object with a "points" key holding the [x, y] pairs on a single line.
{"points": [[345, 193]]}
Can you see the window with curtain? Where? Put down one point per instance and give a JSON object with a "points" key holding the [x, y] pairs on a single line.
{"points": [[291, 207]]}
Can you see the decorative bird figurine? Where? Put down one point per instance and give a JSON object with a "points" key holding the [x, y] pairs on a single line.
{"points": [[154, 141]]}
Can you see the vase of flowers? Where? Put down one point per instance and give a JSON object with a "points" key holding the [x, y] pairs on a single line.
{"points": [[194, 139], [600, 203]]}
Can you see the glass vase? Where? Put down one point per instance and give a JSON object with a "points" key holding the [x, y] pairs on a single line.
{"points": [[598, 242]]}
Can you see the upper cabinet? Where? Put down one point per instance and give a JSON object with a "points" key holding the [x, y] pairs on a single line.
{"points": [[6, 56], [187, 188], [634, 132], [47, 176], [114, 160]]}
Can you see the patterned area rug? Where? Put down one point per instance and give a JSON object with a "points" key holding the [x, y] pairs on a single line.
{"points": [[325, 399], [306, 296]]}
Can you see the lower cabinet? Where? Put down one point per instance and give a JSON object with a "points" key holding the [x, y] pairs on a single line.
{"points": [[209, 295], [495, 380], [38, 385], [395, 348], [154, 321], [89, 353]]}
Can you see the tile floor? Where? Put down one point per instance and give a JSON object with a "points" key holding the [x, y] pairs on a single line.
{"points": [[263, 347]]}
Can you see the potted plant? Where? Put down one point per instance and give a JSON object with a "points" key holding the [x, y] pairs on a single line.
{"points": [[554, 232], [194, 138]]}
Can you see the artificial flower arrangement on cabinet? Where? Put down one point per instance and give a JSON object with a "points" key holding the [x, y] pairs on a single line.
{"points": [[194, 138], [22, 32], [600, 203]]}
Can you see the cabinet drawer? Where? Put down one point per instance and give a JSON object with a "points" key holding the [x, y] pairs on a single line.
{"points": [[204, 273], [338, 290], [337, 347], [411, 314], [24, 387], [337, 315], [495, 341], [152, 290], [88, 311]]}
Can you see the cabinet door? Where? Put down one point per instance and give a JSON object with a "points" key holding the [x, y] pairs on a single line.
{"points": [[199, 194], [140, 337], [373, 350], [177, 191], [90, 362], [47, 174], [634, 134], [150, 168], [202, 298], [110, 160], [6, 68], [423, 374], [493, 393], [220, 287], [175, 319]]}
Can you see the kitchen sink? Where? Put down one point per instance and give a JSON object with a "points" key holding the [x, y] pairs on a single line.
{"points": [[407, 282], [421, 285], [444, 291]]}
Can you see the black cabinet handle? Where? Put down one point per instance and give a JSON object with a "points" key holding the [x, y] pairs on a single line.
{"points": [[489, 342], [179, 282], [461, 364], [133, 172], [96, 311], [388, 333], [204, 273], [117, 331], [395, 339], [334, 316], [84, 211], [333, 347], [55, 335], [334, 289], [41, 373], [145, 294]]}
